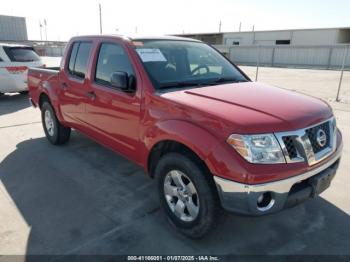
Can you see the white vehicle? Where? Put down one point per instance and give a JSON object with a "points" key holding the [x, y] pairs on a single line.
{"points": [[14, 63]]}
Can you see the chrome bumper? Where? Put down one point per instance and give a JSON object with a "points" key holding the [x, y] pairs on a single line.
{"points": [[243, 198]]}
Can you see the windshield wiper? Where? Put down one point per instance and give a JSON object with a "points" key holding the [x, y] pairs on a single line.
{"points": [[180, 84], [227, 80], [205, 82]]}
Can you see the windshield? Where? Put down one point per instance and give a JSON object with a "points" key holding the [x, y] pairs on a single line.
{"points": [[184, 63], [21, 54]]}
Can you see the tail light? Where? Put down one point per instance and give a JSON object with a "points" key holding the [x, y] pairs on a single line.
{"points": [[16, 69]]}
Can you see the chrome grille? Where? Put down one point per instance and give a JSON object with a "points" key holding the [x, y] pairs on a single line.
{"points": [[312, 134], [302, 145], [291, 149]]}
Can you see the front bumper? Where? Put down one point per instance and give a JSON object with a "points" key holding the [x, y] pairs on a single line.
{"points": [[243, 198]]}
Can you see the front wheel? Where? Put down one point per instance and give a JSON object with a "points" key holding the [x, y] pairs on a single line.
{"points": [[54, 131], [186, 195]]}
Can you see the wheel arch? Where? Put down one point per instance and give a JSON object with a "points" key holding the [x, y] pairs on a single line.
{"points": [[49, 96], [177, 136], [164, 147], [43, 97]]}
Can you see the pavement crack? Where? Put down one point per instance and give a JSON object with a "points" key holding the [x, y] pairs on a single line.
{"points": [[24, 124]]}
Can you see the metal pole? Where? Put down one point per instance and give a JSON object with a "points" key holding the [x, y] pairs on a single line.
{"points": [[41, 33], [346, 51], [257, 64], [99, 5], [45, 24]]}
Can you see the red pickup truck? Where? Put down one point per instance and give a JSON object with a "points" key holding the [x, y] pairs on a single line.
{"points": [[194, 121]]}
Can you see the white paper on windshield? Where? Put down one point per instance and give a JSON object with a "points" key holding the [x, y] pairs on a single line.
{"points": [[151, 55]]}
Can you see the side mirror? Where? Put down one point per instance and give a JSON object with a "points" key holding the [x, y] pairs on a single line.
{"points": [[120, 80], [123, 81]]}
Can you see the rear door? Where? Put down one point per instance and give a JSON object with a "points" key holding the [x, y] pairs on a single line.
{"points": [[112, 114], [73, 83]]}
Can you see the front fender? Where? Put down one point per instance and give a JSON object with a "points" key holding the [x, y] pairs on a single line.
{"points": [[208, 147], [199, 140]]}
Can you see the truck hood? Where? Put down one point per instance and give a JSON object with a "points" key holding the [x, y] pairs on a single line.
{"points": [[251, 107]]}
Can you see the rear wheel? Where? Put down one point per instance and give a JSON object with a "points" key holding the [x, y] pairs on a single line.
{"points": [[54, 131], [186, 195]]}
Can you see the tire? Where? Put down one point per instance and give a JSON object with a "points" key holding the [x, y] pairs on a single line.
{"points": [[201, 199], [54, 131]]}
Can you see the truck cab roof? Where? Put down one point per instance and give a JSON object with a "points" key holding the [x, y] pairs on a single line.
{"points": [[137, 37]]}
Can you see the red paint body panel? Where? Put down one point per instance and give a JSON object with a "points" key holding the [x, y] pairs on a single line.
{"points": [[200, 118]]}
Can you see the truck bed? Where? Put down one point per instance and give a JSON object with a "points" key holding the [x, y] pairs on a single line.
{"points": [[36, 79]]}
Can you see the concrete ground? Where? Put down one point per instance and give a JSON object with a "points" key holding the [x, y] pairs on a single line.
{"points": [[320, 83], [82, 198]]}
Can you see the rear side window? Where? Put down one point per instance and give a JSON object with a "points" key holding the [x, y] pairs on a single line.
{"points": [[78, 61], [72, 58], [21, 54], [111, 58]]}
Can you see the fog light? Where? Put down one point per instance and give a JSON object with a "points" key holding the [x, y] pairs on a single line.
{"points": [[265, 202]]}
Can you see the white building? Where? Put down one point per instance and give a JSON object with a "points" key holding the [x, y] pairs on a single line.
{"points": [[326, 36], [13, 28], [329, 36], [318, 48]]}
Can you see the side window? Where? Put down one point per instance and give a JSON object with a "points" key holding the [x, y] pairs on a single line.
{"points": [[81, 62], [79, 58], [73, 56], [111, 58]]}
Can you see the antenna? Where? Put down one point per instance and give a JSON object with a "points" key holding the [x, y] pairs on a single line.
{"points": [[220, 26], [240, 26]]}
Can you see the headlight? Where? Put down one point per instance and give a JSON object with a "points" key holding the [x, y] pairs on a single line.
{"points": [[258, 149]]}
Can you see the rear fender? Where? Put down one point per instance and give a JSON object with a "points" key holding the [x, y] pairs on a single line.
{"points": [[49, 88]]}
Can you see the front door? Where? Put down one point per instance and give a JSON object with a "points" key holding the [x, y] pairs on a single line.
{"points": [[112, 113]]}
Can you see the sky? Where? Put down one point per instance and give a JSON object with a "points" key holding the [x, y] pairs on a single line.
{"points": [[67, 18]]}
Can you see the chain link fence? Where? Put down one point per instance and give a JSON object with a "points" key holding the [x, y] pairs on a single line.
{"points": [[322, 71]]}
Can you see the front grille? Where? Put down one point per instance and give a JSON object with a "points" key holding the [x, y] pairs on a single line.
{"points": [[312, 134], [309, 144], [291, 149]]}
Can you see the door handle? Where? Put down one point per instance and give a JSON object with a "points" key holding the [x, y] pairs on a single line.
{"points": [[91, 95], [64, 85]]}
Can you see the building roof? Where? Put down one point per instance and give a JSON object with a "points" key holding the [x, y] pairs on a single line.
{"points": [[262, 31], [12, 16]]}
